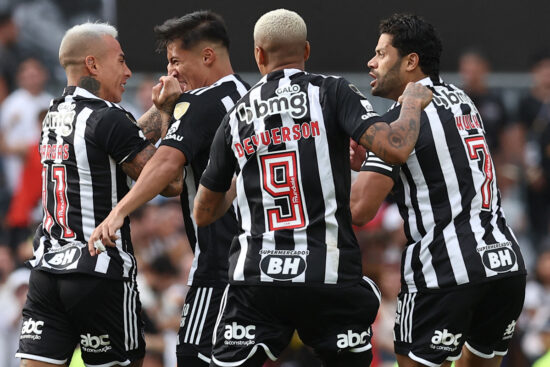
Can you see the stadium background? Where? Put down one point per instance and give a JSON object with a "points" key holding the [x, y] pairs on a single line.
{"points": [[343, 35]]}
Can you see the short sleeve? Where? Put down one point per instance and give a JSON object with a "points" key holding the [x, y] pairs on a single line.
{"points": [[374, 164], [194, 123], [354, 111], [223, 163], [117, 133]]}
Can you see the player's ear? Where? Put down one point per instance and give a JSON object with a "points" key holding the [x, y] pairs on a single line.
{"points": [[261, 58], [208, 56], [307, 51], [412, 61], [90, 63]]}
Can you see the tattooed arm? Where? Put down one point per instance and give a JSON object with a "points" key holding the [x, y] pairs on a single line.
{"points": [[161, 173], [210, 205], [394, 142], [156, 120]]}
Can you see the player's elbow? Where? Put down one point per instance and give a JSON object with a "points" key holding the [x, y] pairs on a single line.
{"points": [[201, 219], [397, 156], [360, 215], [174, 189]]}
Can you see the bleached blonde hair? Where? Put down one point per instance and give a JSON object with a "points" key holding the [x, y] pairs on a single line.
{"points": [[280, 26], [79, 40]]}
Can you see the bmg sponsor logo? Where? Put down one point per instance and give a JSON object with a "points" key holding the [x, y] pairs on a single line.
{"points": [[95, 344], [288, 100], [32, 329], [236, 334], [444, 340], [352, 339]]}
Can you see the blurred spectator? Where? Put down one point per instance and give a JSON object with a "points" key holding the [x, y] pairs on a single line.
{"points": [[536, 309], [8, 55], [544, 361], [142, 101], [18, 117], [390, 284], [474, 68], [28, 193], [534, 115], [13, 291]]}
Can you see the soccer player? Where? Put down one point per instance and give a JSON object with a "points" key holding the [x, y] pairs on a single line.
{"points": [[296, 263], [197, 49], [89, 147], [463, 276]]}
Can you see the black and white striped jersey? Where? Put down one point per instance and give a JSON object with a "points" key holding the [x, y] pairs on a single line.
{"points": [[448, 197], [197, 116], [288, 139], [84, 141]]}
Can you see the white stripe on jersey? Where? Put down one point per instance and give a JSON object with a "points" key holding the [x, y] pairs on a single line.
{"points": [[242, 202], [192, 315], [238, 274], [299, 234], [126, 316], [191, 193], [455, 200], [204, 314], [38, 253], [228, 103], [424, 204], [201, 312], [223, 302], [327, 186], [84, 175]]}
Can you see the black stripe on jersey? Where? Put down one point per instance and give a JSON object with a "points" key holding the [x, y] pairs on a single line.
{"points": [[430, 166]]}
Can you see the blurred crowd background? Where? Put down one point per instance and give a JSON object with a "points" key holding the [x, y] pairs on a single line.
{"points": [[516, 114]]}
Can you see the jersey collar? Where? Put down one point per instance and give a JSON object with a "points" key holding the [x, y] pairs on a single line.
{"points": [[77, 91]]}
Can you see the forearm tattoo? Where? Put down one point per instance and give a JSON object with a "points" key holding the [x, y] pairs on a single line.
{"points": [[154, 124]]}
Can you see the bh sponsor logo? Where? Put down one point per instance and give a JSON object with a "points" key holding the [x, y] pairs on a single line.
{"points": [[283, 264], [64, 258], [444, 340], [352, 339], [32, 329], [499, 257], [236, 334], [289, 99], [95, 344]]}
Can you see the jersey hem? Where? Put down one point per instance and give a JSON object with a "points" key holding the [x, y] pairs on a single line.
{"points": [[466, 285]]}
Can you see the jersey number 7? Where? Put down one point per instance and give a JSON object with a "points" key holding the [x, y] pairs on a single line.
{"points": [[478, 151]]}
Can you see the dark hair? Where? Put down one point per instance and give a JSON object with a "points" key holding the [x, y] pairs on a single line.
{"points": [[411, 34], [192, 28]]}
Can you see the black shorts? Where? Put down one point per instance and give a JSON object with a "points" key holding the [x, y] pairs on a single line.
{"points": [[330, 320], [64, 310], [198, 318], [431, 328]]}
